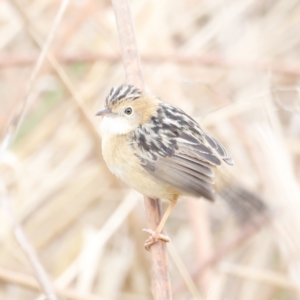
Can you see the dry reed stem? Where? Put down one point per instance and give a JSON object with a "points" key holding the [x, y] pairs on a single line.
{"points": [[131, 61], [129, 50], [90, 255], [28, 282], [12, 128], [20, 109], [160, 277], [41, 275], [76, 97], [184, 272], [287, 191], [260, 275], [212, 60], [86, 263]]}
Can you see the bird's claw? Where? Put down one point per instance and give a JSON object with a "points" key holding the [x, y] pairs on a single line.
{"points": [[154, 237]]}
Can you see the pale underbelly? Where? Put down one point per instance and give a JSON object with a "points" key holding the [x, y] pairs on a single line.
{"points": [[140, 180]]}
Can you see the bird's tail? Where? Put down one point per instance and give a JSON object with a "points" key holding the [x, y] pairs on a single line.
{"points": [[246, 205]]}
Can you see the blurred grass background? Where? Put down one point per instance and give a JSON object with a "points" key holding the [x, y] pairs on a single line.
{"points": [[234, 66]]}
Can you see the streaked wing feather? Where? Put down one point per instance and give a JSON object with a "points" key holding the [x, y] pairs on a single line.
{"points": [[192, 158], [180, 179], [186, 170], [193, 170], [200, 152], [229, 161], [219, 148], [179, 153], [190, 163]]}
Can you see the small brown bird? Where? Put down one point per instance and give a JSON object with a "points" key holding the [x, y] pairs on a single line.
{"points": [[157, 149]]}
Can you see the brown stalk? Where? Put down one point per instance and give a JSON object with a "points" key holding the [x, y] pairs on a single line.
{"points": [[286, 68], [132, 66]]}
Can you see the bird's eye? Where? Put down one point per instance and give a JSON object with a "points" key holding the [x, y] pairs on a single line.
{"points": [[128, 111]]}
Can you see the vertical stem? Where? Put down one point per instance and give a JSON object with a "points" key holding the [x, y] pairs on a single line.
{"points": [[132, 66], [160, 281], [130, 54]]}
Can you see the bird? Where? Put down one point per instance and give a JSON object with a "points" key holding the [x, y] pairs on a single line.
{"points": [[158, 150]]}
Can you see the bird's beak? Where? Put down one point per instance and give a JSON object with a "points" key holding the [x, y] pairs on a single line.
{"points": [[104, 112]]}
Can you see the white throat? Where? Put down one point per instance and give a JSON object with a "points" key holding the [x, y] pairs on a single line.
{"points": [[115, 126]]}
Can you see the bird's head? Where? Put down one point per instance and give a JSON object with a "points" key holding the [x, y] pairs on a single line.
{"points": [[126, 108]]}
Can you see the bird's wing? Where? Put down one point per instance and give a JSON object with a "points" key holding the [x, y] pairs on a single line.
{"points": [[173, 148]]}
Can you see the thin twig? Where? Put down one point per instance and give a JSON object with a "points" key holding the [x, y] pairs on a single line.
{"points": [[76, 97], [286, 68], [26, 281], [91, 254], [12, 128], [264, 276], [131, 61], [184, 272], [20, 109], [27, 248]]}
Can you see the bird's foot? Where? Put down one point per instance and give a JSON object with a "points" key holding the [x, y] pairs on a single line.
{"points": [[154, 237]]}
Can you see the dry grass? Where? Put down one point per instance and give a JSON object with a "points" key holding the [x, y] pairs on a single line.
{"points": [[234, 65]]}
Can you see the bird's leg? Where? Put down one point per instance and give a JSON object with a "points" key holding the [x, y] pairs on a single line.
{"points": [[156, 235]]}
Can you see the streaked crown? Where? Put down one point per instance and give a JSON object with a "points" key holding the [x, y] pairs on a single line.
{"points": [[122, 93]]}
